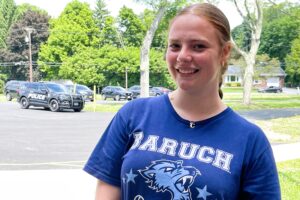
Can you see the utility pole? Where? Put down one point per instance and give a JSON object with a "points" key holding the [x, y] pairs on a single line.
{"points": [[29, 30]]}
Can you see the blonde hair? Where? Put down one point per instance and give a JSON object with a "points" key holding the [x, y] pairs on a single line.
{"points": [[217, 18]]}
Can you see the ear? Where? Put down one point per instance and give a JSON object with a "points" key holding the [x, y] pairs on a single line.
{"points": [[226, 50]]}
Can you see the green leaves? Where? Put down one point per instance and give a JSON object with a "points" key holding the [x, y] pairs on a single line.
{"points": [[293, 63]]}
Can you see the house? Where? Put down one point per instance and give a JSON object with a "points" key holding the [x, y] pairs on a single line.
{"points": [[234, 75], [265, 76], [270, 77]]}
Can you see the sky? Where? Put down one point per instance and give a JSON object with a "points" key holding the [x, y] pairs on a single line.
{"points": [[55, 7]]}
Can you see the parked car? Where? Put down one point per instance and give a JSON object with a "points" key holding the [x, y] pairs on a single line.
{"points": [[11, 89], [160, 90], [49, 95], [136, 91], [87, 93], [116, 92], [271, 89]]}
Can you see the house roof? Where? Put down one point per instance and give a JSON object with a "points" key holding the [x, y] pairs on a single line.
{"points": [[234, 70], [274, 71], [263, 71]]}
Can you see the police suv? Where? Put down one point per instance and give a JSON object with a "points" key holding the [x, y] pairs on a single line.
{"points": [[49, 95]]}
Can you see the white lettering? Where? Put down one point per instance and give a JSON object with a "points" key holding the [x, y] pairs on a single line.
{"points": [[150, 144], [168, 147], [222, 160], [137, 139], [184, 146], [202, 154], [36, 96]]}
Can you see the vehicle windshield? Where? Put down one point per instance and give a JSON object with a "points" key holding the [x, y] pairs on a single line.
{"points": [[56, 88], [82, 88], [120, 89]]}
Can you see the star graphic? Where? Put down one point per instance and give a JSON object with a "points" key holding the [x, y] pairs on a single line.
{"points": [[203, 193], [131, 176]]}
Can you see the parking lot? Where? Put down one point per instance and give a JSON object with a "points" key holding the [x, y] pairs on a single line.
{"points": [[38, 139]]}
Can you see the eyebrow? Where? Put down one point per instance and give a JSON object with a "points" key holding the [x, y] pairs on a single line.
{"points": [[191, 41]]}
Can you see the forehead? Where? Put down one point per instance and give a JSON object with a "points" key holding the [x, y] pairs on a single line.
{"points": [[191, 26]]}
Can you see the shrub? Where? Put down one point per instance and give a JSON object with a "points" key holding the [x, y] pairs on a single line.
{"points": [[1, 86]]}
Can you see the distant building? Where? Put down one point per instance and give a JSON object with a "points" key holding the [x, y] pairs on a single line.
{"points": [[234, 74], [267, 76], [271, 77]]}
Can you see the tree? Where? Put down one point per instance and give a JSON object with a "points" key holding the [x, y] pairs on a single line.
{"points": [[253, 17], [17, 51], [71, 32], [9, 14], [242, 36], [161, 7], [109, 34], [293, 63], [7, 17], [131, 27], [100, 13], [83, 67], [281, 26]]}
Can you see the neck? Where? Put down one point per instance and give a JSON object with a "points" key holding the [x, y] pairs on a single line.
{"points": [[196, 106]]}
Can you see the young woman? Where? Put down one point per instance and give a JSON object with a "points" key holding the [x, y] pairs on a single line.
{"points": [[188, 144]]}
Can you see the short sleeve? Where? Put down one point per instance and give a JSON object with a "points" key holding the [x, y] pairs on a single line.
{"points": [[106, 160], [260, 179]]}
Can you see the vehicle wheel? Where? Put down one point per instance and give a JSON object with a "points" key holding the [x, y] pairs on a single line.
{"points": [[24, 103], [117, 98], [53, 105], [77, 109], [8, 97], [104, 97]]}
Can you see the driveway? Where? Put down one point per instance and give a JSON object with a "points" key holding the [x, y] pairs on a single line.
{"points": [[270, 113]]}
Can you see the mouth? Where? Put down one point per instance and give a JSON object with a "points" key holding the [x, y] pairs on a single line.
{"points": [[184, 183], [187, 71]]}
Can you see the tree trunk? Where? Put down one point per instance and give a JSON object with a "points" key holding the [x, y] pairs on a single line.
{"points": [[145, 52], [254, 19]]}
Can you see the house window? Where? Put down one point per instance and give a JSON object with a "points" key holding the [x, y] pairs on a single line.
{"points": [[232, 79]]}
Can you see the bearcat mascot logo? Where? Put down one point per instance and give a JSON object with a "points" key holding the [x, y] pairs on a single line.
{"points": [[170, 175]]}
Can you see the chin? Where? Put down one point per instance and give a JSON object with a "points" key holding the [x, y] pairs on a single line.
{"points": [[185, 86]]}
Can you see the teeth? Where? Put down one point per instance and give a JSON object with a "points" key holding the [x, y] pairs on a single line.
{"points": [[187, 71], [186, 178]]}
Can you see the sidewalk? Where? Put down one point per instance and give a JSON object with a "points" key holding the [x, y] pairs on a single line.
{"points": [[76, 184]]}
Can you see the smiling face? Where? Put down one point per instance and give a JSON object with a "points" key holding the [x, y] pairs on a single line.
{"points": [[195, 54]]}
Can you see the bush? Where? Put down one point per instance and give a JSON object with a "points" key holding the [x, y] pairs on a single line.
{"points": [[1, 86], [233, 84]]}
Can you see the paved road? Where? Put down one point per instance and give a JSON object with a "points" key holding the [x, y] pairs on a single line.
{"points": [[270, 113], [62, 139], [39, 139]]}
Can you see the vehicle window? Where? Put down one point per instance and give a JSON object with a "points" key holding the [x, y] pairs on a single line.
{"points": [[56, 88], [119, 89], [82, 88]]}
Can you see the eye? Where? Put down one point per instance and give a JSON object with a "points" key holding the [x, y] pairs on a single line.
{"points": [[199, 47], [169, 169], [174, 46]]}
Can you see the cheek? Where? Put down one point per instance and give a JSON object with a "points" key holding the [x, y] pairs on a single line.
{"points": [[171, 58]]}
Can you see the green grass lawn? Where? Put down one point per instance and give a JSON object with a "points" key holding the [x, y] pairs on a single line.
{"points": [[281, 129], [289, 177]]}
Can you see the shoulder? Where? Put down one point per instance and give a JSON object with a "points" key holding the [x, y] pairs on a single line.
{"points": [[253, 136]]}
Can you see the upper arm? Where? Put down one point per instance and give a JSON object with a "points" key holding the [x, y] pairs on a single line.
{"points": [[261, 179], [105, 191]]}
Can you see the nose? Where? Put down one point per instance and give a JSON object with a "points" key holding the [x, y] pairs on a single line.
{"points": [[184, 55]]}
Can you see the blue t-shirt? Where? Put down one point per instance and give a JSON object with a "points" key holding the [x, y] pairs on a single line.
{"points": [[152, 153]]}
